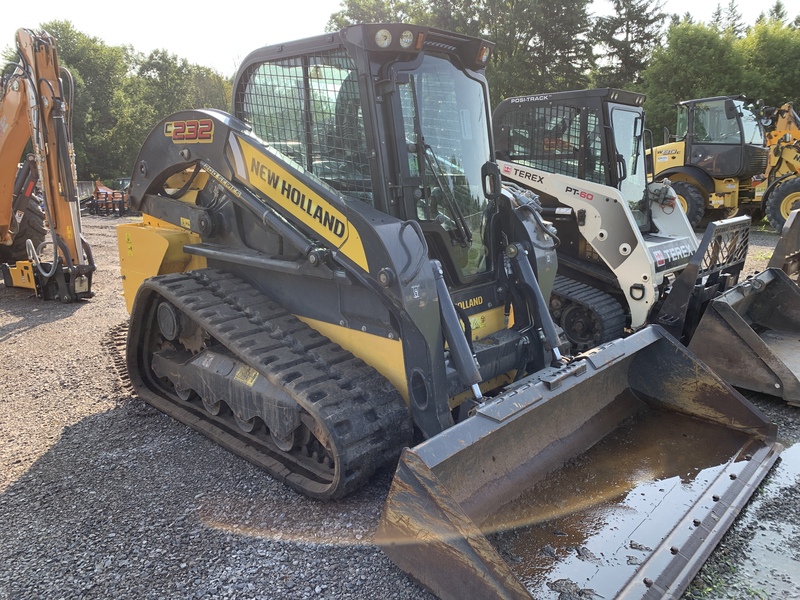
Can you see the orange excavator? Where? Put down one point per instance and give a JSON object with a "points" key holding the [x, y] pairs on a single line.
{"points": [[40, 192]]}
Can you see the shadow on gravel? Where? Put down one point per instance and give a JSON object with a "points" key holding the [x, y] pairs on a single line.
{"points": [[129, 503], [32, 311]]}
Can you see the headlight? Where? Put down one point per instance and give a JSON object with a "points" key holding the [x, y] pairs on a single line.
{"points": [[383, 38], [406, 39]]}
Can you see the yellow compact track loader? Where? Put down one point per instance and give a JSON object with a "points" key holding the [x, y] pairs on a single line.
{"points": [[334, 275], [35, 111], [628, 256]]}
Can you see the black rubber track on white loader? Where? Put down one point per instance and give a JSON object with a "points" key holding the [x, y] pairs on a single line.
{"points": [[605, 309]]}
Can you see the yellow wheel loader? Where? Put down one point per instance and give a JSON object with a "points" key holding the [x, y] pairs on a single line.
{"points": [[719, 149], [780, 188], [35, 110], [333, 276], [628, 256]]}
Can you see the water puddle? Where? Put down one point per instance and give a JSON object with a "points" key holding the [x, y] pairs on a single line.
{"points": [[596, 521]]}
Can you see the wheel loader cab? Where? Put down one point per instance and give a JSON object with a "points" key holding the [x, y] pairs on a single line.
{"points": [[723, 137], [718, 149]]}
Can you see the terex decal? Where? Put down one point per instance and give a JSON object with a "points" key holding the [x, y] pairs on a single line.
{"points": [[532, 177], [520, 173], [191, 131], [267, 175], [671, 255]]}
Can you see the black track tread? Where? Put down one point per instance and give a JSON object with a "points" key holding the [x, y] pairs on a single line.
{"points": [[364, 415], [605, 307]]}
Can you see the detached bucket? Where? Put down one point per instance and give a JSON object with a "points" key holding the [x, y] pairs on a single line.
{"points": [[750, 335], [618, 474], [787, 251]]}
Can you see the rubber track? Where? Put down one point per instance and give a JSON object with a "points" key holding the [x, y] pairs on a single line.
{"points": [[365, 417], [604, 306], [114, 343]]}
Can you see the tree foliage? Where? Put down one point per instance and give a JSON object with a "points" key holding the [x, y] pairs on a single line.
{"points": [[120, 95], [627, 38], [770, 55], [541, 46], [701, 60], [679, 70]]}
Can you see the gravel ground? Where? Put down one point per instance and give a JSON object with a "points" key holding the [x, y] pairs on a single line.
{"points": [[102, 496], [759, 557]]}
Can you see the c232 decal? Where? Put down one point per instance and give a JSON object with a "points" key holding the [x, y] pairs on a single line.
{"points": [[190, 131]]}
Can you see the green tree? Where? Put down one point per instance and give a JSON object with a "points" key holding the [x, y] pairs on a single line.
{"points": [[696, 62], [540, 45], [627, 38], [209, 89], [373, 11], [98, 71], [778, 12], [555, 50], [733, 19], [717, 19], [770, 55]]}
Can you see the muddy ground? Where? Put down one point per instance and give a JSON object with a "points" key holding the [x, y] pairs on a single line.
{"points": [[102, 496]]}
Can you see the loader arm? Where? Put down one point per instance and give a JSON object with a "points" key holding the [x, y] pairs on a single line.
{"points": [[782, 181], [35, 108], [605, 221]]}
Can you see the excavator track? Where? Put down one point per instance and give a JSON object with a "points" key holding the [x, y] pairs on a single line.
{"points": [[353, 420], [588, 316]]}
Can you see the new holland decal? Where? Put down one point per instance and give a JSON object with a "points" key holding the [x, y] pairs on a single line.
{"points": [[267, 175]]}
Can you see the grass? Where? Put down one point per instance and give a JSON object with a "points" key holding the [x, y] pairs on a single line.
{"points": [[763, 255]]}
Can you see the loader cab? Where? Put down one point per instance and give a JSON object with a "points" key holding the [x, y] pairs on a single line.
{"points": [[391, 116], [723, 137], [594, 135], [440, 113]]}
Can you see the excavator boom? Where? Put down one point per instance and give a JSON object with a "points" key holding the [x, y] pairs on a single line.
{"points": [[35, 108]]}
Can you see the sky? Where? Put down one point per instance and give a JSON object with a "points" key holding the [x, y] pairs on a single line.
{"points": [[219, 35]]}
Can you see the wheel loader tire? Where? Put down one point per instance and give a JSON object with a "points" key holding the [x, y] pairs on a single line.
{"points": [[694, 205], [782, 201], [31, 227], [757, 215]]}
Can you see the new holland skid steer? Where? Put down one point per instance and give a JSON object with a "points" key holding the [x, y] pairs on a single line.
{"points": [[628, 256], [333, 276]]}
